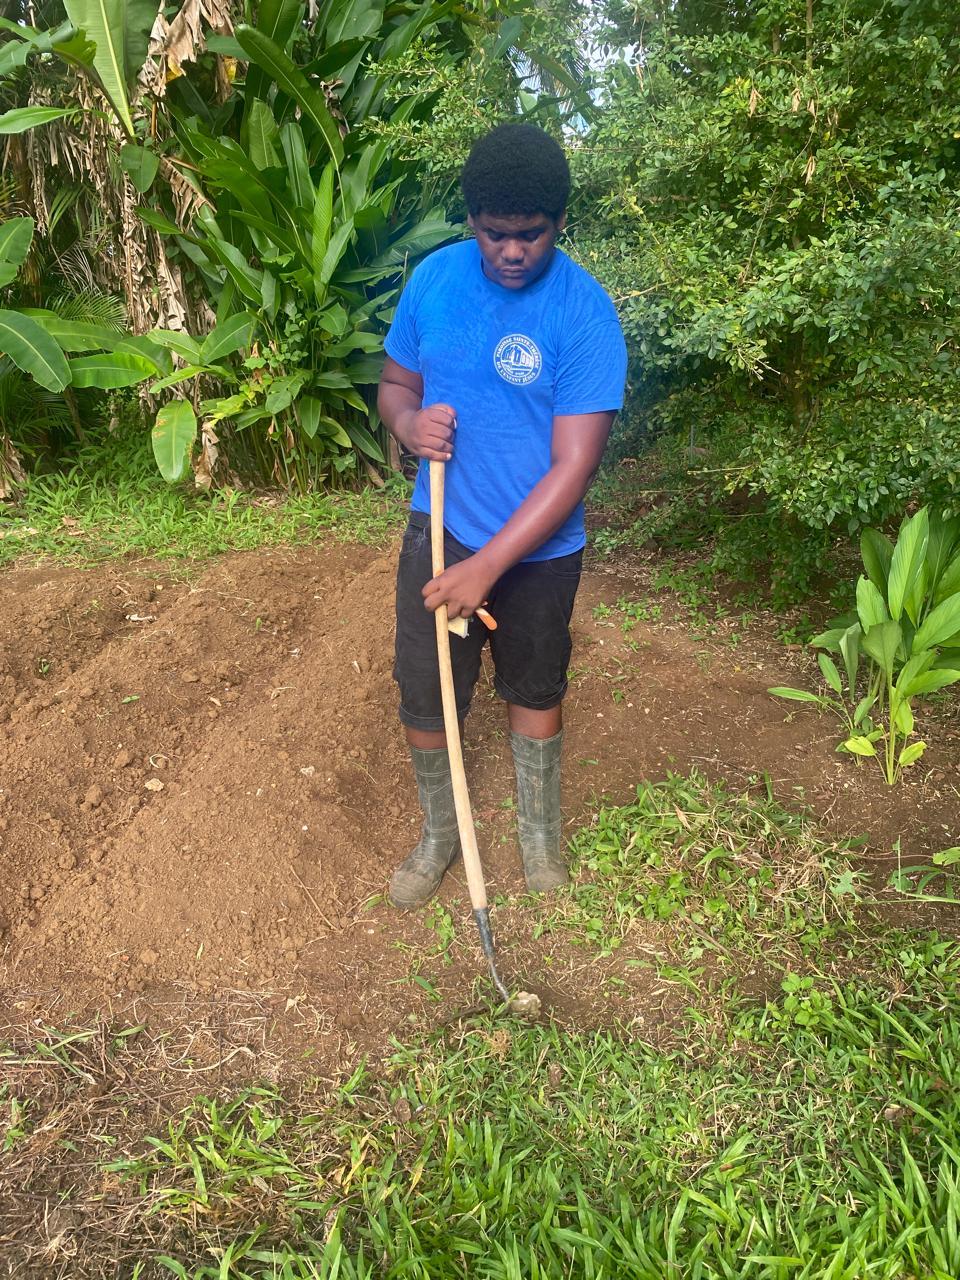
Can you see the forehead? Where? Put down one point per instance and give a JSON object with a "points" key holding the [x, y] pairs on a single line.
{"points": [[513, 223]]}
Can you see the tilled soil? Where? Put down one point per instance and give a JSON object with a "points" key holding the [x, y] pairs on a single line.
{"points": [[204, 789]]}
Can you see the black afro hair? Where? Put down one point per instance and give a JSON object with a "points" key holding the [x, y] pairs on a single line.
{"points": [[516, 169]]}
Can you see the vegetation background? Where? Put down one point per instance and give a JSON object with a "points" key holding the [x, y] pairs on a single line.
{"points": [[216, 203], [207, 211]]}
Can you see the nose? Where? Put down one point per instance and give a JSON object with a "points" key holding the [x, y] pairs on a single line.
{"points": [[513, 251]]}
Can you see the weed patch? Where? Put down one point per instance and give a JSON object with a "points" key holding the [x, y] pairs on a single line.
{"points": [[733, 877]]}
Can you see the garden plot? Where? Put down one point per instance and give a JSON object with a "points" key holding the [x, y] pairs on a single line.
{"points": [[203, 790]]}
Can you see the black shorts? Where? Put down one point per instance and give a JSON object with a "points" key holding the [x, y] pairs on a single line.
{"points": [[532, 604]]}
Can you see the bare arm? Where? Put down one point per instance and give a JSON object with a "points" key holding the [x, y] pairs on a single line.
{"points": [[577, 448], [426, 432]]}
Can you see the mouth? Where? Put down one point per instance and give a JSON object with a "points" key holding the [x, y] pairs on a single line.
{"points": [[512, 273]]}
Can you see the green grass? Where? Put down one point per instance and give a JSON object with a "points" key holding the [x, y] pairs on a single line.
{"points": [[113, 502], [828, 1152], [733, 877], [810, 1132]]}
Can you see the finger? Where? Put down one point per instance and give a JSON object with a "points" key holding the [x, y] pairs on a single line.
{"points": [[437, 436], [435, 455]]}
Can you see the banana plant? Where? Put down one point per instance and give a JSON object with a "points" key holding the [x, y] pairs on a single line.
{"points": [[59, 353], [45, 356], [119, 33], [906, 627], [307, 229], [106, 40]]}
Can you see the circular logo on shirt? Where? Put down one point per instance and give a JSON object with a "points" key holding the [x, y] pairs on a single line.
{"points": [[517, 359]]}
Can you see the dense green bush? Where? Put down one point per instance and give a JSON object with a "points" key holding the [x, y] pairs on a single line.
{"points": [[771, 196]]}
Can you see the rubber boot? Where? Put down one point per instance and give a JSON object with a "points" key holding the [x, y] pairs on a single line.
{"points": [[537, 762], [417, 879]]}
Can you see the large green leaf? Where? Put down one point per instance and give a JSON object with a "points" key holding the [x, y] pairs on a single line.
{"points": [[939, 625], [320, 234], [339, 243], [877, 552], [916, 665], [881, 643], [277, 235], [180, 344], [16, 236], [20, 119], [907, 564], [141, 345], [336, 60], [943, 544], [141, 165], [248, 281], [64, 39], [262, 136], [850, 652], [931, 681], [75, 335], [226, 47], [298, 165], [364, 440], [228, 337], [111, 370], [184, 374], [871, 608], [357, 178], [949, 584], [173, 435], [120, 29], [290, 80], [32, 349], [276, 20], [159, 222], [432, 230]]}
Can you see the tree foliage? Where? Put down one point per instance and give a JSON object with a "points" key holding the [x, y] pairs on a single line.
{"points": [[228, 154], [771, 193]]}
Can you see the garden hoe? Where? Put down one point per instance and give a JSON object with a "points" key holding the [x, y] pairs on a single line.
{"points": [[524, 1002]]}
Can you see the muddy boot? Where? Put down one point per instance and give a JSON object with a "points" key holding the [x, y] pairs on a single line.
{"points": [[417, 879], [537, 761]]}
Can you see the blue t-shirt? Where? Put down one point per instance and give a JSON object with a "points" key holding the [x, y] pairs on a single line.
{"points": [[507, 361]]}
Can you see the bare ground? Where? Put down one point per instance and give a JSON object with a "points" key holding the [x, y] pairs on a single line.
{"points": [[203, 791]]}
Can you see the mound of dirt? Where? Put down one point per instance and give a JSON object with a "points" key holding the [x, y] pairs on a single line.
{"points": [[203, 783]]}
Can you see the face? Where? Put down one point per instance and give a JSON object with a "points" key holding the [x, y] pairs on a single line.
{"points": [[516, 248]]}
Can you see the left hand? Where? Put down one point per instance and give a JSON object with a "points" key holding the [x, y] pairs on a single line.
{"points": [[461, 588]]}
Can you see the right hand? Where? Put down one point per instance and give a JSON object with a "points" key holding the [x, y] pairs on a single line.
{"points": [[428, 432]]}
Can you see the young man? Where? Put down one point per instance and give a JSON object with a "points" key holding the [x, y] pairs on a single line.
{"points": [[506, 361]]}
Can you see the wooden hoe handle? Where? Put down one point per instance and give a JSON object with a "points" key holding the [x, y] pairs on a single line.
{"points": [[451, 723]]}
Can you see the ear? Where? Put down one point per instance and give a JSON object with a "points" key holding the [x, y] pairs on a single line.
{"points": [[561, 221], [471, 223]]}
